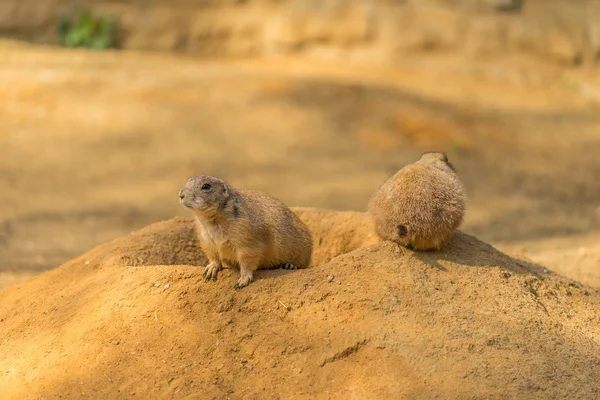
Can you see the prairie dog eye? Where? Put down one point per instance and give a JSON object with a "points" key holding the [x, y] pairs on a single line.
{"points": [[206, 186]]}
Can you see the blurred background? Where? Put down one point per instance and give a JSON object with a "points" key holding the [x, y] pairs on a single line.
{"points": [[108, 106]]}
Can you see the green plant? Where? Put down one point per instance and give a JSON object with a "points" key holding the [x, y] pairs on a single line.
{"points": [[87, 30]]}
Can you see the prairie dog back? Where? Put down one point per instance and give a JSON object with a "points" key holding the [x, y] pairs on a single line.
{"points": [[421, 205], [268, 215]]}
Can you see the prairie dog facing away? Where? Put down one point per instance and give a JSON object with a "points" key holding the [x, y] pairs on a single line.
{"points": [[421, 205], [246, 229]]}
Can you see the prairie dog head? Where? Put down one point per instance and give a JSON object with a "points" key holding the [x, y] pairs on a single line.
{"points": [[438, 160], [204, 195]]}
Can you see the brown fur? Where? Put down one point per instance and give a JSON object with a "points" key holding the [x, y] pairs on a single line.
{"points": [[421, 205], [246, 229]]}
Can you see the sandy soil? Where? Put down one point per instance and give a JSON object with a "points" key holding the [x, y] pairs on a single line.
{"points": [[134, 318], [577, 257], [95, 145]]}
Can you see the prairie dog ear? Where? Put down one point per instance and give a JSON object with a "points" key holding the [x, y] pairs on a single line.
{"points": [[225, 190]]}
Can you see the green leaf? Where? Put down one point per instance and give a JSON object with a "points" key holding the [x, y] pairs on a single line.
{"points": [[86, 30]]}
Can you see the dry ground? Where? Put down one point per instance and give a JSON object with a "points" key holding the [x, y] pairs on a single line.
{"points": [[95, 145], [134, 318]]}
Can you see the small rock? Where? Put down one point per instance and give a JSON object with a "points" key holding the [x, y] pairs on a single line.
{"points": [[167, 286], [156, 284], [5, 340], [115, 341], [330, 279]]}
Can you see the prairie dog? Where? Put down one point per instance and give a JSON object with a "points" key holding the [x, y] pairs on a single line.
{"points": [[247, 229], [421, 205]]}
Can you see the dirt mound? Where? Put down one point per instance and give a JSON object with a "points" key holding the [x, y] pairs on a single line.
{"points": [[134, 318]]}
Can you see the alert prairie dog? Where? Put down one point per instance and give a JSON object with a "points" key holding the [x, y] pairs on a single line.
{"points": [[246, 229], [421, 205]]}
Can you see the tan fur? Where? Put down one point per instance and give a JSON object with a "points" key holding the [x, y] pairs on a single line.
{"points": [[246, 229], [425, 199]]}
